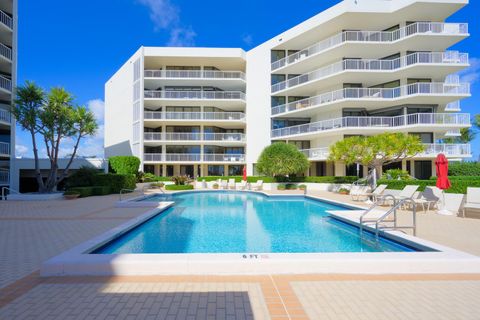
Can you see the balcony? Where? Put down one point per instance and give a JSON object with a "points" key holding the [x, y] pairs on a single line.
{"points": [[186, 157], [5, 84], [428, 122], [4, 177], [194, 74], [431, 151], [226, 100], [5, 117], [195, 137], [428, 93], [451, 61], [4, 149], [6, 20], [448, 30], [5, 52], [195, 116]]}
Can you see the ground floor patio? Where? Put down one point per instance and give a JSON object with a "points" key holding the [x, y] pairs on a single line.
{"points": [[31, 232]]}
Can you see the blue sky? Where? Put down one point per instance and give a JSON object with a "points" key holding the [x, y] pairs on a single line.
{"points": [[80, 44]]}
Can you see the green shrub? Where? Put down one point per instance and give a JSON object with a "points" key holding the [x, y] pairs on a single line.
{"points": [[83, 177], [100, 190], [302, 187], [70, 192], [281, 187], [157, 185], [464, 169], [116, 182], [458, 186], [178, 187], [396, 174], [180, 180], [127, 165], [82, 191], [291, 186], [253, 179]]}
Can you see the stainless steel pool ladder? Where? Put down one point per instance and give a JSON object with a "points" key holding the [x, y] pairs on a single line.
{"points": [[10, 190], [379, 222]]}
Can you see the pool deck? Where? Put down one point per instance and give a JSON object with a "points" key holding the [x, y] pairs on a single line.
{"points": [[32, 232]]}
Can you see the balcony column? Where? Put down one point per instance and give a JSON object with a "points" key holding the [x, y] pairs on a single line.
{"points": [[164, 170], [434, 169], [339, 169], [225, 169], [156, 169], [404, 165]]}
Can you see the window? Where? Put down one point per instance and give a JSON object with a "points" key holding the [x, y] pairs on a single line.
{"points": [[182, 68], [321, 168], [216, 170], [391, 84], [277, 55], [352, 85], [301, 145], [235, 170], [423, 169], [148, 168], [277, 78], [354, 170], [278, 101], [169, 171], [425, 137], [185, 129], [183, 149]]}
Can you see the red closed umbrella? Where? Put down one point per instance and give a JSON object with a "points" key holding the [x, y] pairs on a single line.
{"points": [[244, 173], [441, 164]]}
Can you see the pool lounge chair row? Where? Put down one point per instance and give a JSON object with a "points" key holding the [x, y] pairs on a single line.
{"points": [[471, 206], [232, 185]]}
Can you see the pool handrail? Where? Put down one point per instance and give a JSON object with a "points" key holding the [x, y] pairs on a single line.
{"points": [[4, 196]]}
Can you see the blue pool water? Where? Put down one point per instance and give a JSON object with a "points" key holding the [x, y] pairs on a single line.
{"points": [[239, 222]]}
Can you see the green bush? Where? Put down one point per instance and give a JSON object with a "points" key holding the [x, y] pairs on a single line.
{"points": [[100, 190], [83, 177], [464, 169], [82, 191], [127, 165], [291, 186], [281, 187], [116, 182], [458, 186], [150, 177], [70, 192], [253, 179], [396, 174], [178, 187]]}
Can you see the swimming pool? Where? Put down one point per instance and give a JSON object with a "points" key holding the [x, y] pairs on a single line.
{"points": [[245, 222]]}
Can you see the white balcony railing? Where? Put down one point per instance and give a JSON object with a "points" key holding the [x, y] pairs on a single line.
{"points": [[4, 149], [194, 74], [453, 106], [375, 93], [433, 28], [193, 157], [431, 150], [5, 51], [183, 136], [4, 176], [6, 19], [448, 57], [5, 116], [451, 150], [5, 84], [226, 116], [458, 119], [195, 95]]}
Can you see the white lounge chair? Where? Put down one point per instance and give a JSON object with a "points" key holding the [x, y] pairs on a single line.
{"points": [[407, 192], [357, 191], [224, 184], [258, 185], [231, 183], [429, 198], [471, 208], [243, 185], [374, 194]]}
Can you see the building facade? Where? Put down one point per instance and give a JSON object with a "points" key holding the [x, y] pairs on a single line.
{"points": [[8, 68], [358, 68]]}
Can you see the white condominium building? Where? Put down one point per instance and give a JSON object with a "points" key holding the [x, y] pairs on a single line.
{"points": [[8, 68], [359, 68]]}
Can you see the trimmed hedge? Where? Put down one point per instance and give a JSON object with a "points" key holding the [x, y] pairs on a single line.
{"points": [[175, 187], [90, 191], [464, 169], [253, 179], [458, 186], [116, 182], [124, 164]]}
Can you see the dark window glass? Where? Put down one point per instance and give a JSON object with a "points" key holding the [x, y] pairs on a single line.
{"points": [[423, 169], [216, 170], [277, 55], [235, 170]]}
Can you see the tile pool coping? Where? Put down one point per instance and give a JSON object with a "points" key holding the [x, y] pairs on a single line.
{"points": [[78, 260]]}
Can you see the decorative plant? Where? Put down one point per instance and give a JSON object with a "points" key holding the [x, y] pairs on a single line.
{"points": [[281, 159], [396, 174], [281, 187], [343, 191], [302, 187], [215, 186], [125, 165], [70, 195], [180, 180]]}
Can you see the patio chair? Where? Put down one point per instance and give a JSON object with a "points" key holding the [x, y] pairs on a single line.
{"points": [[357, 191], [430, 197], [471, 208], [407, 192], [374, 194], [243, 185], [258, 185], [224, 184], [231, 183], [204, 184]]}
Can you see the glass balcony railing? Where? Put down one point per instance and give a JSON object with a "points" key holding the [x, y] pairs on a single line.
{"points": [[4, 149], [448, 57], [195, 95], [193, 157], [433, 28], [226, 116], [194, 74], [375, 93], [4, 176], [5, 84], [6, 19], [182, 136], [5, 116], [5, 51], [455, 119]]}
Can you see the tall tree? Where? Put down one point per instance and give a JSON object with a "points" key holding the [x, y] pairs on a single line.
{"points": [[282, 159], [376, 151], [53, 118]]}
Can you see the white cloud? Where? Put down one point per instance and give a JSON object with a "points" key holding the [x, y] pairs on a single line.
{"points": [[166, 16], [180, 37], [472, 73], [21, 150], [97, 106], [247, 39]]}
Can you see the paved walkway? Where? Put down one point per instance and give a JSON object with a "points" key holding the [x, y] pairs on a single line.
{"points": [[31, 232]]}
